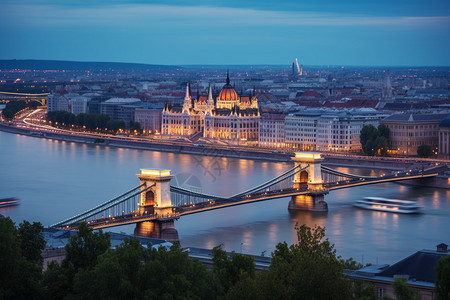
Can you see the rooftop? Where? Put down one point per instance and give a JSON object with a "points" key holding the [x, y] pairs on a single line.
{"points": [[415, 117], [418, 268], [122, 100]]}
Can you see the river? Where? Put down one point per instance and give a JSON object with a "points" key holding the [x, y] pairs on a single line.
{"points": [[55, 180]]}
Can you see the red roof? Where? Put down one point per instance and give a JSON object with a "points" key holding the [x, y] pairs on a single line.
{"points": [[311, 94], [202, 99], [347, 91], [245, 99]]}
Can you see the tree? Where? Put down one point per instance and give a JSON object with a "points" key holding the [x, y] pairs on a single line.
{"points": [[424, 150], [382, 145], [85, 247], [227, 272], [20, 260], [135, 126], [375, 140], [403, 291], [308, 269], [115, 274], [384, 131], [9, 257], [32, 242], [443, 278], [173, 275], [14, 107]]}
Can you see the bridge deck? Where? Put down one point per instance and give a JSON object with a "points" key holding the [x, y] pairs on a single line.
{"points": [[210, 202]]}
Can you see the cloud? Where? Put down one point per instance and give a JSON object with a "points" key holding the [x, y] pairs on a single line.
{"points": [[173, 15]]}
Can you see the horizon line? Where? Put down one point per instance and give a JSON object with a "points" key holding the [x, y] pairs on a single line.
{"points": [[224, 65]]}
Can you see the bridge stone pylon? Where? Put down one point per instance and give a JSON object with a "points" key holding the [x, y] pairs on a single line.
{"points": [[312, 177], [156, 201]]}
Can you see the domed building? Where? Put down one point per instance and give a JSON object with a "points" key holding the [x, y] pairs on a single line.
{"points": [[230, 116]]}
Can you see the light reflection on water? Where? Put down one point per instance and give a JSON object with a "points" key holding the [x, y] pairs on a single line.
{"points": [[56, 180]]}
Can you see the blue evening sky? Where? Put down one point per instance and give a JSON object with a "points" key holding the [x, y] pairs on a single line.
{"points": [[318, 32]]}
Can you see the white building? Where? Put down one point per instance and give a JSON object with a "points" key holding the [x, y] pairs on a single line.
{"points": [[79, 105], [73, 103], [149, 118], [272, 131], [329, 130], [57, 102]]}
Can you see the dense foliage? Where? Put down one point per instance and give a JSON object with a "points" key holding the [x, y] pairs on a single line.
{"points": [[443, 278], [14, 107], [20, 260], [424, 150], [375, 140], [92, 269], [92, 122]]}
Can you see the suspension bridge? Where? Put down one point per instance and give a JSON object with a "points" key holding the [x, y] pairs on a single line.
{"points": [[154, 204]]}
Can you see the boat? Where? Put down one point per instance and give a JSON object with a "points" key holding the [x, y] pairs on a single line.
{"points": [[389, 205], [4, 202]]}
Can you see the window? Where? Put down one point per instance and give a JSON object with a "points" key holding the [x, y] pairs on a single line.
{"points": [[380, 293]]}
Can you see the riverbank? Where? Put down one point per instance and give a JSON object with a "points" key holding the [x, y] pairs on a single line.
{"points": [[337, 160]]}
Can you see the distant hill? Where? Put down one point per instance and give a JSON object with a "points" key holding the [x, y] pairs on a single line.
{"points": [[34, 64]]}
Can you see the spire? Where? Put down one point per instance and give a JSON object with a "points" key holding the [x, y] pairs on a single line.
{"points": [[188, 91], [228, 76], [210, 97], [187, 105]]}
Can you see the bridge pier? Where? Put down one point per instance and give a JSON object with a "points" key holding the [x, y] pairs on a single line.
{"points": [[157, 229], [312, 177], [310, 202], [156, 201]]}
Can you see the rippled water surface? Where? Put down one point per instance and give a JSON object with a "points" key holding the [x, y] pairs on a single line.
{"points": [[56, 180]]}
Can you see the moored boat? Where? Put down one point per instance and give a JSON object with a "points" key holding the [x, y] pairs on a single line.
{"points": [[389, 205]]}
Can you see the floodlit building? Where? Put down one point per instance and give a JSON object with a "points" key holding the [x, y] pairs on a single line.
{"points": [[229, 116], [272, 131], [409, 131], [329, 130], [149, 118], [444, 138]]}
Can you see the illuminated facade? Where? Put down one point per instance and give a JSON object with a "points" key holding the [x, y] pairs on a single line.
{"points": [[329, 130], [229, 116], [444, 138], [409, 131]]}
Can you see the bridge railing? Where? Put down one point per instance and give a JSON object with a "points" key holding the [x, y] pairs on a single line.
{"points": [[182, 197], [282, 181], [124, 204]]}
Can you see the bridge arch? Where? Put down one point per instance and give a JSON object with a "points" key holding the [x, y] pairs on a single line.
{"points": [[149, 198], [303, 177]]}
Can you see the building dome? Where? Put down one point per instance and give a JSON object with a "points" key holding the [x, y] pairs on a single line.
{"points": [[445, 122], [227, 93]]}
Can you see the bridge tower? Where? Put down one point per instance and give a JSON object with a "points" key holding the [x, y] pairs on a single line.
{"points": [[312, 178], [156, 201]]}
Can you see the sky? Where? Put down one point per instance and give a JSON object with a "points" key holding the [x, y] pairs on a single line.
{"points": [[246, 32]]}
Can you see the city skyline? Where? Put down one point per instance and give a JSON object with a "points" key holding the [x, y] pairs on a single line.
{"points": [[404, 33]]}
